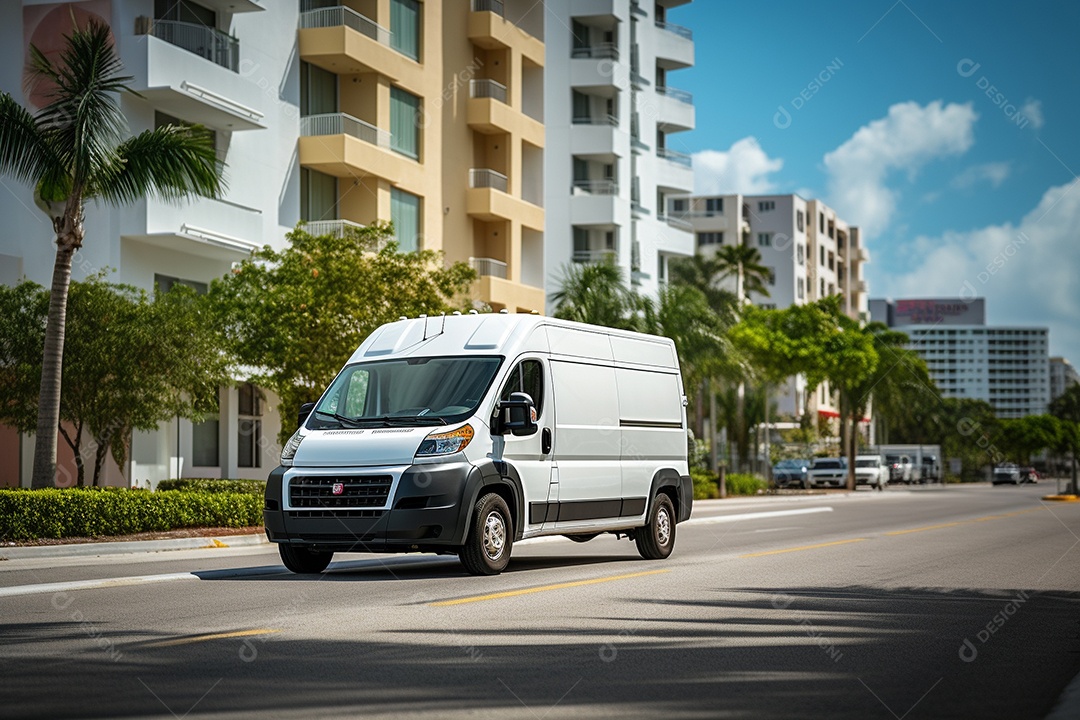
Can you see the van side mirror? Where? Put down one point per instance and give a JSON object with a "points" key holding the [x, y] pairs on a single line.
{"points": [[516, 415], [305, 411]]}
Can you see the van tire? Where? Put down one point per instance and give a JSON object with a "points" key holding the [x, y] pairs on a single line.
{"points": [[303, 561], [490, 539], [656, 540]]}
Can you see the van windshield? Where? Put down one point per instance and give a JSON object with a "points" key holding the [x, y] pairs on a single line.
{"points": [[413, 391], [872, 462]]}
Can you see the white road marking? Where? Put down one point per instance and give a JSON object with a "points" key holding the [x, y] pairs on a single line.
{"points": [[754, 516]]}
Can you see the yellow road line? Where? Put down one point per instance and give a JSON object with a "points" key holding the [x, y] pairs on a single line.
{"points": [[544, 588], [803, 547], [964, 522], [212, 636], [925, 527]]}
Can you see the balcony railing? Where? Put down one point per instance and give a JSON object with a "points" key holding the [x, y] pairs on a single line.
{"points": [[605, 119], [336, 228], [343, 124], [488, 267], [674, 156], [676, 94], [484, 178], [606, 186], [495, 6], [206, 42], [600, 51], [676, 221], [683, 32], [340, 15], [479, 88], [595, 256]]}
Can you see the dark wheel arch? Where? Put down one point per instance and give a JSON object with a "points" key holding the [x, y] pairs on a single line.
{"points": [[680, 488]]}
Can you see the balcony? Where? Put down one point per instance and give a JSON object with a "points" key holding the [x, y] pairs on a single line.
{"points": [[674, 109], [203, 227], [674, 46], [599, 51], [595, 187], [488, 267], [208, 43], [205, 93], [595, 256], [344, 42], [676, 222], [335, 228], [341, 145], [489, 113], [489, 29], [488, 199], [598, 210], [598, 139]]}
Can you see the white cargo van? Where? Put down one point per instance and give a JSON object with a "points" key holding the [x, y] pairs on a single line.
{"points": [[462, 434]]}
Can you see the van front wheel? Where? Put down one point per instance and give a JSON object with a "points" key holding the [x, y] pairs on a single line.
{"points": [[656, 540], [491, 537], [303, 561]]}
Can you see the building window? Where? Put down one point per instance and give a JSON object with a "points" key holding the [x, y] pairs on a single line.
{"points": [[767, 306], [714, 206], [678, 206], [764, 239], [822, 250], [800, 220], [405, 27], [318, 90], [772, 277], [800, 255], [185, 11], [710, 238], [766, 205], [821, 222], [405, 214], [404, 123], [318, 195], [832, 229], [249, 426], [165, 283], [801, 288]]}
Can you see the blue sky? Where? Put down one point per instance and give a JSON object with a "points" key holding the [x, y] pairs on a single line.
{"points": [[881, 108]]}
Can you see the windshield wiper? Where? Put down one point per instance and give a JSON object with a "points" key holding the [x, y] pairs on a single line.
{"points": [[411, 419], [343, 419]]}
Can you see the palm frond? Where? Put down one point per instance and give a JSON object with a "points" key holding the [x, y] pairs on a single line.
{"points": [[171, 162], [83, 120], [24, 153]]}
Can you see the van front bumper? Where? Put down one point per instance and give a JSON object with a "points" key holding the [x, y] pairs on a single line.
{"points": [[427, 512]]}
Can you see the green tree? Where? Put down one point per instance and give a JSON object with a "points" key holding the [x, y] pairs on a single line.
{"points": [[296, 315], [74, 150], [1066, 408], [743, 263], [133, 364], [596, 293]]}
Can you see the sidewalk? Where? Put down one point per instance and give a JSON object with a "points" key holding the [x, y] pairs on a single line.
{"points": [[105, 547]]}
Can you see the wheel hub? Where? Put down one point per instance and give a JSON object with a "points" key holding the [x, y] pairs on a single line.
{"points": [[494, 536], [663, 526]]}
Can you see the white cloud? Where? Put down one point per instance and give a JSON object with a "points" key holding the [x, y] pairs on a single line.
{"points": [[906, 139], [1032, 109], [1026, 271], [994, 173], [743, 168]]}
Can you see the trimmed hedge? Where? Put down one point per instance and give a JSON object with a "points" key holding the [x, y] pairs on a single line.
{"points": [[91, 512], [214, 485], [704, 485], [744, 484]]}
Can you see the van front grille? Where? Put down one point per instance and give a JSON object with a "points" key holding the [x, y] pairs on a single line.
{"points": [[354, 491]]}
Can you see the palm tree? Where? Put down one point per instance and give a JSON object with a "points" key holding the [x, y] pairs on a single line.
{"points": [[74, 150], [1066, 407], [744, 263], [596, 293]]}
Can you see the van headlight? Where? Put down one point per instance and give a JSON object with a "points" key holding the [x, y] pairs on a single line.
{"points": [[289, 451], [446, 443]]}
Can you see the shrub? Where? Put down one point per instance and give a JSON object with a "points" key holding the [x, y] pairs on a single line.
{"points": [[214, 485], [704, 485], [91, 512], [744, 484]]}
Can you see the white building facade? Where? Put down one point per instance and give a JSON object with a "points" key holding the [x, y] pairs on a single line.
{"points": [[613, 157], [224, 64], [1062, 376], [1008, 367]]}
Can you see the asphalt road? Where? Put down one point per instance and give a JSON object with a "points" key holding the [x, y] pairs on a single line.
{"points": [[934, 603]]}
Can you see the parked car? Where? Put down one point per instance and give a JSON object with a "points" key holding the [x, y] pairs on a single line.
{"points": [[871, 470], [1007, 473], [1029, 474], [791, 473], [827, 472], [931, 469], [899, 468]]}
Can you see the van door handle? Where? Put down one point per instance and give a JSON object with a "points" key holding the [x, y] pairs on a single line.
{"points": [[545, 441]]}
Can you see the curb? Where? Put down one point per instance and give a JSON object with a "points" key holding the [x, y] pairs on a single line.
{"points": [[136, 546], [1062, 498]]}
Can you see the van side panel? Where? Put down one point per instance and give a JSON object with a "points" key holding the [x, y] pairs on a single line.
{"points": [[586, 434], [651, 425], [643, 352], [579, 343]]}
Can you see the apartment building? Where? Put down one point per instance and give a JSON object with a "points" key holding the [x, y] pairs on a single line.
{"points": [[1008, 366], [1062, 375], [613, 155], [809, 251], [334, 113]]}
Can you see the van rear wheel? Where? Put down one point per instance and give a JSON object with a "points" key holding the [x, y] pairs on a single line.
{"points": [[491, 537], [303, 561], [656, 540]]}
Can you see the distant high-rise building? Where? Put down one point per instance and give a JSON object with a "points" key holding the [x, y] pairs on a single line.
{"points": [[1062, 375], [1006, 366]]}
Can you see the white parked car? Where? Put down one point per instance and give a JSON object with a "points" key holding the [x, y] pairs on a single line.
{"points": [[464, 434], [871, 470], [827, 472]]}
